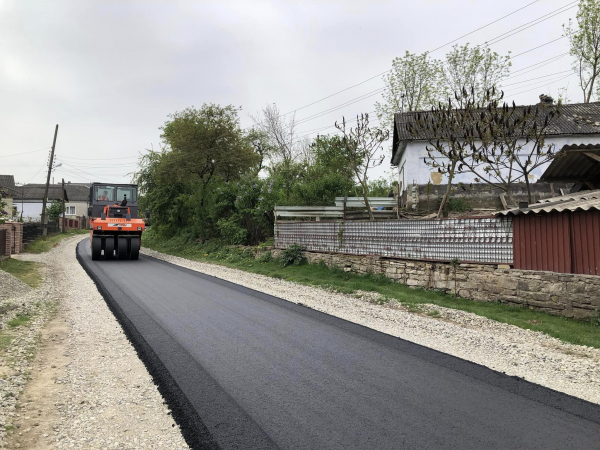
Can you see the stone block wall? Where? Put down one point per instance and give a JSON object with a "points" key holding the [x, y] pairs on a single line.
{"points": [[568, 295], [14, 237]]}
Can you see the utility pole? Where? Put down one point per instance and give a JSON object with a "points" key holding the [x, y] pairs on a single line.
{"points": [[62, 195], [44, 222]]}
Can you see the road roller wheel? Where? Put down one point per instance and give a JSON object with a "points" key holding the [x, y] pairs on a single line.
{"points": [[135, 248], [109, 247], [96, 248], [122, 248]]}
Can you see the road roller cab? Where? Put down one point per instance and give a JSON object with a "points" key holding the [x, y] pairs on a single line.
{"points": [[115, 229]]}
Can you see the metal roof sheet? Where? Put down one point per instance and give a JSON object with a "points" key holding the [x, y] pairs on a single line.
{"points": [[580, 201]]}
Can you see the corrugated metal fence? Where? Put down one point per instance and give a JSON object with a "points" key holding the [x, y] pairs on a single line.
{"points": [[478, 240], [566, 242]]}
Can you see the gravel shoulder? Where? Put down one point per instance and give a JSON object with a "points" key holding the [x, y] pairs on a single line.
{"points": [[533, 356], [79, 382]]}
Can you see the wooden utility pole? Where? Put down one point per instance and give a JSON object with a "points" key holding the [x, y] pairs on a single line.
{"points": [[50, 164], [62, 196]]}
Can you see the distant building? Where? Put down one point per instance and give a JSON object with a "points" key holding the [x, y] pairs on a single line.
{"points": [[578, 124], [29, 198]]}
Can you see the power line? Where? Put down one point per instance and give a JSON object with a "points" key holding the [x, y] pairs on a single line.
{"points": [[539, 46], [383, 73], [542, 85], [537, 21], [481, 28], [26, 153], [99, 159], [537, 78]]}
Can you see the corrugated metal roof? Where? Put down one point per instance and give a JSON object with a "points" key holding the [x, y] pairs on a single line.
{"points": [[574, 165], [8, 182], [75, 192], [575, 118], [580, 201]]}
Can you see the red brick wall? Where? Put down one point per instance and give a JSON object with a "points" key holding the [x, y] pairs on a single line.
{"points": [[14, 237]]}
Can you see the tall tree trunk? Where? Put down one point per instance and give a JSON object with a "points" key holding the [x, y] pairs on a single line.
{"points": [[366, 198], [448, 188], [529, 199]]}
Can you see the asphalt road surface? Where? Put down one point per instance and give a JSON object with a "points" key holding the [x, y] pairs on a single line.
{"points": [[242, 369]]}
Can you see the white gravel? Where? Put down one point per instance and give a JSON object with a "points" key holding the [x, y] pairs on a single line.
{"points": [[11, 287], [534, 356], [105, 396]]}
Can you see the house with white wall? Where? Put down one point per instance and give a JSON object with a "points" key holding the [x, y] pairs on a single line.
{"points": [[28, 200], [578, 124]]}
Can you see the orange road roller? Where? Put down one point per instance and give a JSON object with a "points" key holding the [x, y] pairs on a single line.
{"points": [[115, 229]]}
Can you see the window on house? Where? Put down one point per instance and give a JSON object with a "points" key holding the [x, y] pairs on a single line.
{"points": [[70, 211]]}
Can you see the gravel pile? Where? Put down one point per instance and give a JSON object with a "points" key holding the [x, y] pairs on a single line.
{"points": [[531, 355], [101, 395], [11, 286]]}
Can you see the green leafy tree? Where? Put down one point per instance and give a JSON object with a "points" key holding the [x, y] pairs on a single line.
{"points": [[413, 84], [4, 214], [55, 210], [476, 69], [584, 39]]}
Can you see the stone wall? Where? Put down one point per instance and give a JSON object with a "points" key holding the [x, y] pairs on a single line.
{"points": [[426, 198], [14, 237], [568, 295]]}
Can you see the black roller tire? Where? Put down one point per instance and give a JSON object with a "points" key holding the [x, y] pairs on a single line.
{"points": [[96, 248], [122, 248], [135, 248], [109, 248]]}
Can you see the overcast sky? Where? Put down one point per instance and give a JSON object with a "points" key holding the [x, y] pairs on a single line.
{"points": [[109, 72]]}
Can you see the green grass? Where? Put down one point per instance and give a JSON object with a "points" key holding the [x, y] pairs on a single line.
{"points": [[21, 319], [26, 271], [568, 330], [42, 245], [5, 340]]}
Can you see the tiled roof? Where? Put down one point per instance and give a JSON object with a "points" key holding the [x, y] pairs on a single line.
{"points": [[75, 192], [580, 201], [575, 118], [8, 182]]}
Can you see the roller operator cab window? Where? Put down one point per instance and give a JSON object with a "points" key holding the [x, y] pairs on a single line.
{"points": [[105, 193], [129, 191]]}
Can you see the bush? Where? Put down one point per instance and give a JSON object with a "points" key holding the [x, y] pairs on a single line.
{"points": [[231, 232], [292, 256], [459, 205], [266, 257]]}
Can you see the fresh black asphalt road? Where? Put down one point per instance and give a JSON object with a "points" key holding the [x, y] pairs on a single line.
{"points": [[258, 372]]}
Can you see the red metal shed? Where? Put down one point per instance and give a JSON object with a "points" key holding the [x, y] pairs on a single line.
{"points": [[560, 234]]}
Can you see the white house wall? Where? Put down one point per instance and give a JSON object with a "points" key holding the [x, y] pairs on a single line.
{"points": [[412, 167], [32, 211]]}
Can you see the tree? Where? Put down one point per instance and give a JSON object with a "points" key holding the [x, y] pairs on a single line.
{"points": [[207, 142], [55, 210], [4, 214], [280, 130], [475, 69], [412, 85], [262, 146], [363, 143], [500, 144], [585, 45], [450, 139]]}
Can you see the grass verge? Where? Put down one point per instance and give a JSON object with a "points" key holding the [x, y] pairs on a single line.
{"points": [[41, 245], [21, 319], [568, 330], [26, 271]]}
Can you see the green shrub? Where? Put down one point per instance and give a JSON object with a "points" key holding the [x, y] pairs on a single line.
{"points": [[231, 232], [292, 256], [459, 205], [266, 257]]}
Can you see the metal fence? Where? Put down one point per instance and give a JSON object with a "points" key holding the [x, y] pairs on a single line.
{"points": [[477, 240], [33, 230]]}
